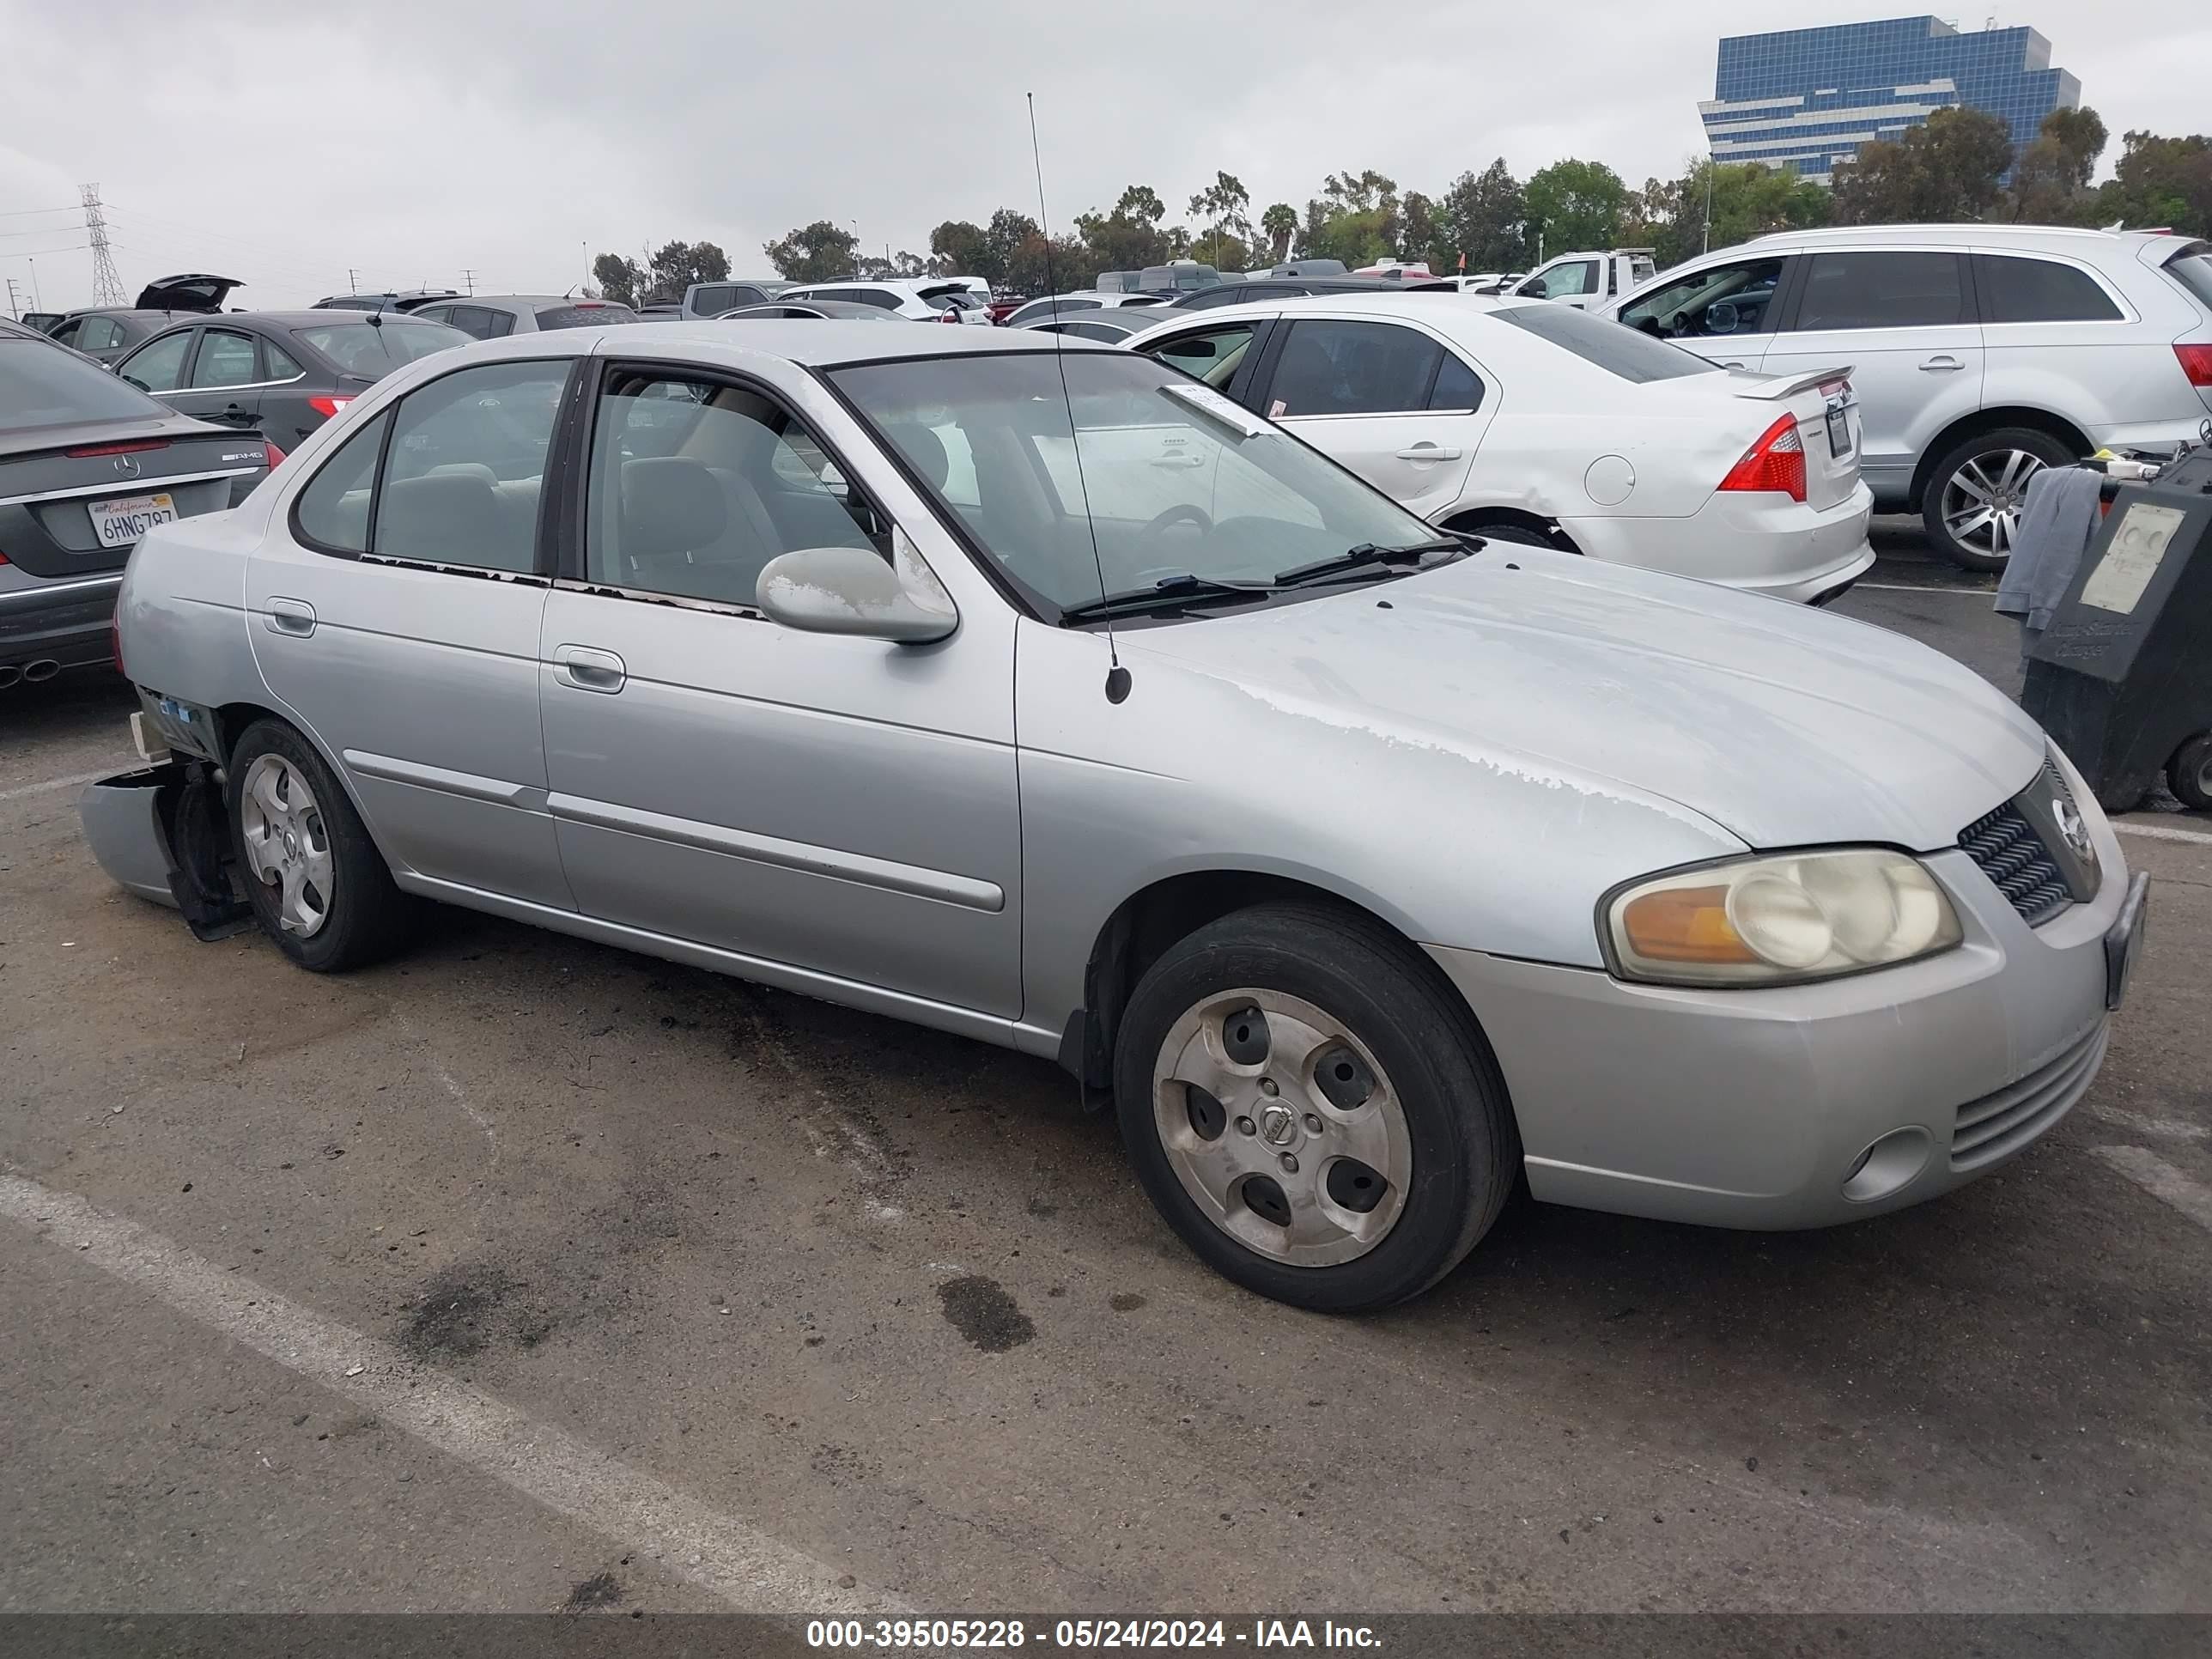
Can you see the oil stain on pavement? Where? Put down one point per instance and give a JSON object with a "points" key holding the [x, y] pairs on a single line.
{"points": [[981, 1312]]}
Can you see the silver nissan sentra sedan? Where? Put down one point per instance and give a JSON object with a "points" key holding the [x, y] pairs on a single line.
{"points": [[1030, 690]]}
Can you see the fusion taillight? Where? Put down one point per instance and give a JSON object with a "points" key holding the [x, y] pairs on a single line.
{"points": [[327, 407], [1775, 463], [2196, 363], [136, 446]]}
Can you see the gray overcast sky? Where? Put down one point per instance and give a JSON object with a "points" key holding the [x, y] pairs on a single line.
{"points": [[412, 140]]}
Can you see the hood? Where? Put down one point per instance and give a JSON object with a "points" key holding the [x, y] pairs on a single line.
{"points": [[1785, 725], [192, 291]]}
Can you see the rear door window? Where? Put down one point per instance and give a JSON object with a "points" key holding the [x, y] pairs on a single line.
{"points": [[225, 359], [1353, 368], [2018, 290], [159, 365], [1881, 289], [462, 475], [722, 297], [99, 334]]}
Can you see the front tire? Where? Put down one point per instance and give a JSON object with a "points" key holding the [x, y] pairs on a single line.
{"points": [[1970, 504], [1311, 1110], [317, 886]]}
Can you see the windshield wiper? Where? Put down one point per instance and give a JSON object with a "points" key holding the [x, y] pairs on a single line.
{"points": [[1169, 593], [1365, 555]]}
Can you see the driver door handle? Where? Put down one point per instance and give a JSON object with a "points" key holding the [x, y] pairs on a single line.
{"points": [[1940, 365], [1425, 451], [586, 668]]}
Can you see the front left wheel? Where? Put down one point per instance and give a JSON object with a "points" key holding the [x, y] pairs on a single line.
{"points": [[317, 886], [1311, 1110]]}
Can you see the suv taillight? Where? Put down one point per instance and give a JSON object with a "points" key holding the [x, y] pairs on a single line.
{"points": [[1776, 463], [2196, 363]]}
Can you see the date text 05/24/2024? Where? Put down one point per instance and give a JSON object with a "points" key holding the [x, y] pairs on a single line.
{"points": [[1258, 1635]]}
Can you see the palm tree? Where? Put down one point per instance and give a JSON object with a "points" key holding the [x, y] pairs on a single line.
{"points": [[1279, 223]]}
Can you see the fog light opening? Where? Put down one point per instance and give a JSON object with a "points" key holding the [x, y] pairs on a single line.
{"points": [[1888, 1164]]}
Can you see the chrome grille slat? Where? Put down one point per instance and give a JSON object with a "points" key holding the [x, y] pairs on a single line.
{"points": [[2010, 853], [2004, 1120]]}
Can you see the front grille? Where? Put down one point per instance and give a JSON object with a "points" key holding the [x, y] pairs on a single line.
{"points": [[2000, 1123], [2012, 854]]}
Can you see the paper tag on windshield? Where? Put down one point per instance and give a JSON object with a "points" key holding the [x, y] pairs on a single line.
{"points": [[1276, 409], [1207, 401]]}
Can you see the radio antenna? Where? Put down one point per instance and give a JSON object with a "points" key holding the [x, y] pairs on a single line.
{"points": [[1118, 677]]}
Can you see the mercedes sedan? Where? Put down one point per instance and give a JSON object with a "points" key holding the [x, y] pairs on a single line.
{"points": [[1031, 689]]}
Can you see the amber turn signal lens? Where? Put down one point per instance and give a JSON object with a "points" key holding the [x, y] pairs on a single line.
{"points": [[1684, 924]]}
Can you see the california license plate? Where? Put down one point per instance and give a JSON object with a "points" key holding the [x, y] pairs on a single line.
{"points": [[122, 521]]}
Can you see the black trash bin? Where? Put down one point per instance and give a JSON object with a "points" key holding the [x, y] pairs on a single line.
{"points": [[2122, 677]]}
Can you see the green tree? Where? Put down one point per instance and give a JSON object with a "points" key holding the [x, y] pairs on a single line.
{"points": [[814, 253], [619, 278], [676, 265], [2050, 175], [1002, 239], [1420, 234], [1944, 171], [1141, 204], [1279, 224], [1355, 219], [1575, 204], [960, 248], [1061, 265], [1482, 216], [1225, 205], [2161, 181], [1746, 199]]}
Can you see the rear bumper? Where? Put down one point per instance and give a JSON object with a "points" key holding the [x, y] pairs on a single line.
{"points": [[1761, 544], [124, 826], [60, 621]]}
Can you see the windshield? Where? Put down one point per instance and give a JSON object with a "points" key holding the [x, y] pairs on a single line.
{"points": [[372, 350], [43, 385], [590, 314], [1175, 484]]}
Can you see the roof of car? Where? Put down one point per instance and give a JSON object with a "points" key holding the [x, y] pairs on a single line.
{"points": [[814, 342], [830, 308], [2048, 235], [1387, 299], [526, 299]]}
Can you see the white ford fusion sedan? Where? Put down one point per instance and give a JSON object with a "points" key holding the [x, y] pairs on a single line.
{"points": [[1526, 420], [1036, 691]]}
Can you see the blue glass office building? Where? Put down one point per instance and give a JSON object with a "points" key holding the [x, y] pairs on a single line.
{"points": [[1808, 97]]}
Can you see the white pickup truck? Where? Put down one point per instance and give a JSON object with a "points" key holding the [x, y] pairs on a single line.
{"points": [[1584, 280]]}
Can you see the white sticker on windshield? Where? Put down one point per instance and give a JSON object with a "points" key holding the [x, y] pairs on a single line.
{"points": [[1207, 401]]}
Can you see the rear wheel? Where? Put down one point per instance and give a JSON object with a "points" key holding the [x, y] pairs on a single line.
{"points": [[317, 886], [1310, 1111], [1970, 504], [2189, 774]]}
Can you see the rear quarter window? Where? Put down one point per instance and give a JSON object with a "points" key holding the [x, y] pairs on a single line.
{"points": [[2193, 270], [1617, 349], [2020, 290]]}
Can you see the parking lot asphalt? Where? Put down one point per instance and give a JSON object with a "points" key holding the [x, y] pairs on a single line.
{"points": [[520, 1273]]}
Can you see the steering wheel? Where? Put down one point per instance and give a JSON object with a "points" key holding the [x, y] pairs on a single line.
{"points": [[1152, 533]]}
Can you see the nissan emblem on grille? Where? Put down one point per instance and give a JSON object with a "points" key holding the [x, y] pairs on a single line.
{"points": [[2037, 848]]}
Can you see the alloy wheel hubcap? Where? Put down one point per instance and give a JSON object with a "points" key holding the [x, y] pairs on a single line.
{"points": [[1983, 501], [288, 848], [1282, 1127]]}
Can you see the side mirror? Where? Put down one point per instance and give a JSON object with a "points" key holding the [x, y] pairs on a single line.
{"points": [[1722, 316], [851, 590]]}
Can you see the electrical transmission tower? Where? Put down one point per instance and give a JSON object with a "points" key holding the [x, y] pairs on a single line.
{"points": [[107, 285]]}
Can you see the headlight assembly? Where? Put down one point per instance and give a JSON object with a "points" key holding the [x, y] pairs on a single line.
{"points": [[1776, 920]]}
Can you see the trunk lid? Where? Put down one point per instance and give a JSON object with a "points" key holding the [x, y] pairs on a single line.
{"points": [[194, 290], [76, 506]]}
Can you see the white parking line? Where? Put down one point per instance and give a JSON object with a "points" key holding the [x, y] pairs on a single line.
{"points": [[2164, 1128], [743, 1566], [2161, 1181], [2160, 832], [23, 789]]}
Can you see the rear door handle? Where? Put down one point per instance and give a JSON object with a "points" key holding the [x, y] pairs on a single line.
{"points": [[1425, 451], [293, 617], [588, 669], [1940, 365]]}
